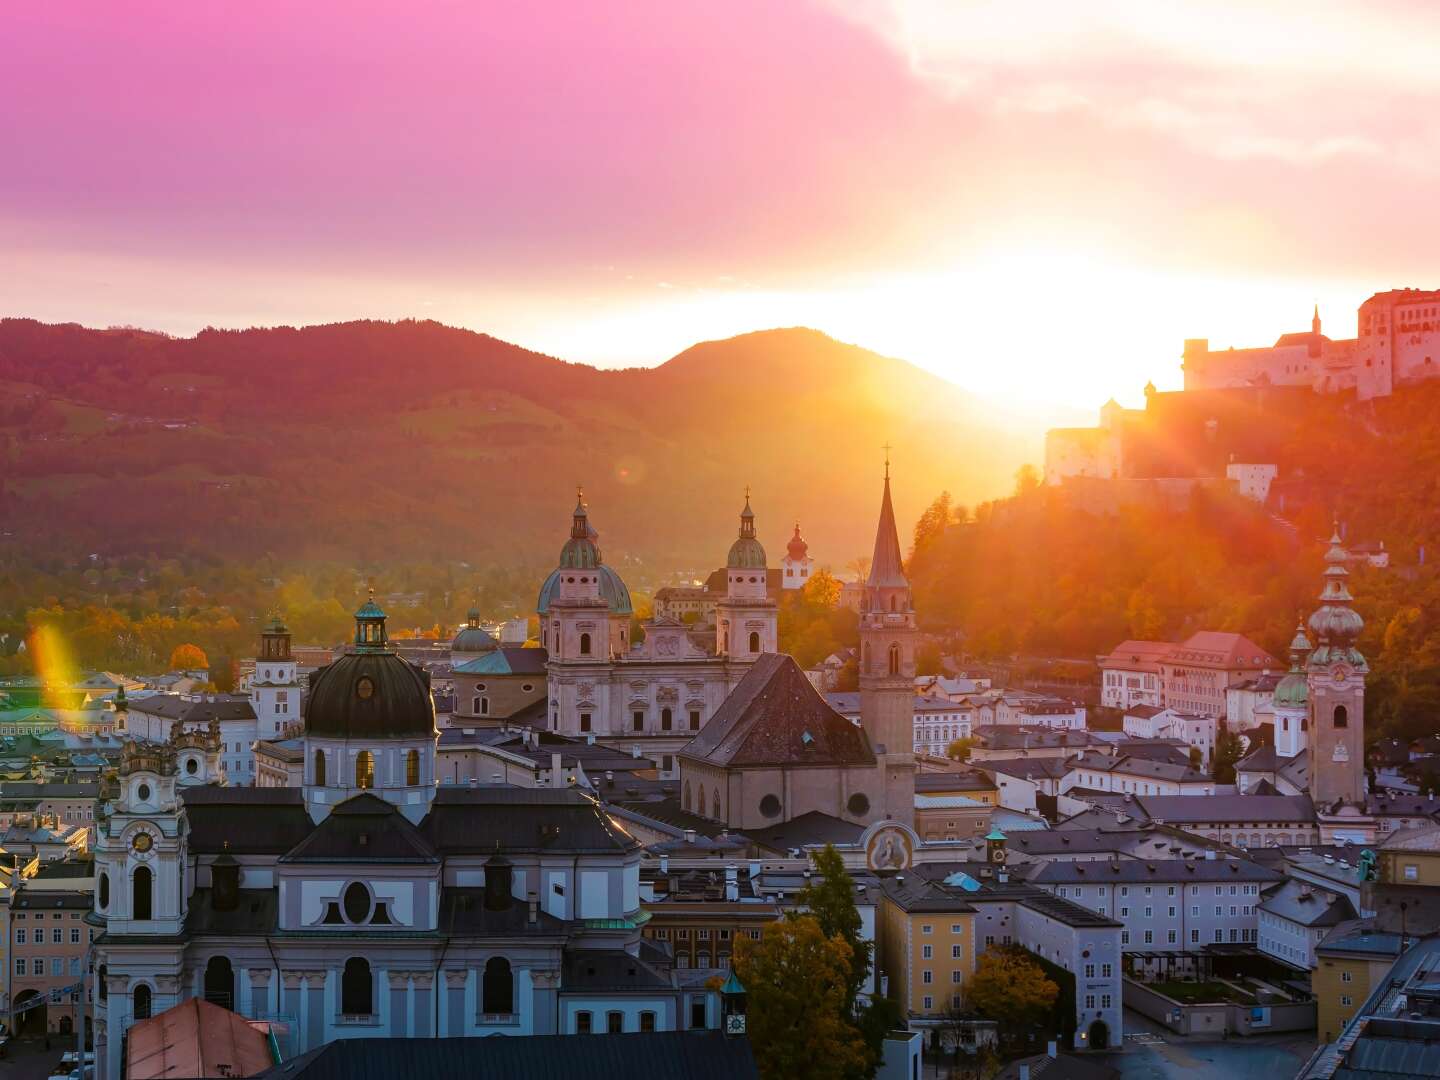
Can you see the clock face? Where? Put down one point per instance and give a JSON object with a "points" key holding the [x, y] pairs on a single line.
{"points": [[997, 855], [735, 1024], [142, 842]]}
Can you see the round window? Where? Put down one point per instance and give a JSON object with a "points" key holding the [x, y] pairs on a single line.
{"points": [[192, 766], [858, 804], [770, 806], [143, 792], [356, 902], [479, 686], [526, 687]]}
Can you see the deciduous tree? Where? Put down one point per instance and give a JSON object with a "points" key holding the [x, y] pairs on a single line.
{"points": [[1009, 986], [188, 657]]}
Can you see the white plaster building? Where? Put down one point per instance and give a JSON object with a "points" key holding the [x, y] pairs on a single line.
{"points": [[797, 566]]}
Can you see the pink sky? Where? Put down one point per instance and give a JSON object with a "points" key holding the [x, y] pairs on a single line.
{"points": [[612, 181]]}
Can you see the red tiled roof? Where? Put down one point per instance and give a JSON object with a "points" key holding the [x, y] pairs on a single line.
{"points": [[1216, 649], [1137, 655]]}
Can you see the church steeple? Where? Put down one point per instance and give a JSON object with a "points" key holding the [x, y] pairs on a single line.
{"points": [[1336, 672], [888, 639], [745, 622], [370, 626], [1315, 321]]}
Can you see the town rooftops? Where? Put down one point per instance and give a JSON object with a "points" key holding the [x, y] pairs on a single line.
{"points": [[1028, 737], [1143, 870], [1224, 810], [1138, 766], [1217, 649], [211, 707], [952, 781], [809, 829], [775, 717], [915, 894], [1136, 655], [196, 1038], [39, 790], [1303, 903], [847, 703], [509, 660], [695, 1055], [1036, 769]]}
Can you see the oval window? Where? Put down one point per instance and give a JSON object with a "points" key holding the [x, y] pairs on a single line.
{"points": [[527, 687], [770, 806], [858, 804], [192, 766], [143, 792], [356, 902], [365, 688]]}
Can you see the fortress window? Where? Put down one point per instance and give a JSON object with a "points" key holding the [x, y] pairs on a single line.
{"points": [[1342, 717]]}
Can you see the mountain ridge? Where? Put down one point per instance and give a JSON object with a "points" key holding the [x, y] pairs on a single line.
{"points": [[371, 439]]}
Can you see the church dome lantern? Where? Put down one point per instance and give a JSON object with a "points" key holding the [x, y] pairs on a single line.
{"points": [[473, 638], [746, 553], [582, 552], [797, 549], [1335, 624], [370, 692]]}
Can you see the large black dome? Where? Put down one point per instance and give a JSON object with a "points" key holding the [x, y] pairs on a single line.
{"points": [[370, 695]]}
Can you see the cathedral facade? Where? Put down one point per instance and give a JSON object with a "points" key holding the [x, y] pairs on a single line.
{"points": [[652, 695]]}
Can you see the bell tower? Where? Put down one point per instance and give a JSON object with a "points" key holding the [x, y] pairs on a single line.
{"points": [[745, 620], [1335, 673], [888, 640]]}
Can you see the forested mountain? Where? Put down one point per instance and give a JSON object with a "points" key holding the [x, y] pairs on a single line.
{"points": [[1039, 575], [413, 441]]}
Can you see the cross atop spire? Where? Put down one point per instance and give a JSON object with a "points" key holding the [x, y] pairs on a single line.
{"points": [[887, 448]]}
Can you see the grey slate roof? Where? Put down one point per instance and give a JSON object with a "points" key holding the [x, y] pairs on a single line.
{"points": [[1227, 809], [767, 718], [1144, 870], [253, 820], [1303, 903], [1138, 766], [175, 707], [520, 819], [813, 827], [363, 829], [1033, 737], [694, 1055]]}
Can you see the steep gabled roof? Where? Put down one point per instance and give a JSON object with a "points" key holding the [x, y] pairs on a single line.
{"points": [[363, 829], [775, 717]]}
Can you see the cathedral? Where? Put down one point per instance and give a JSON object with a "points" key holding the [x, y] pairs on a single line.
{"points": [[370, 901], [654, 694], [776, 751]]}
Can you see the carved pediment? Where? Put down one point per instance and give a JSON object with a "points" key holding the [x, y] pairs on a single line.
{"points": [[667, 695]]}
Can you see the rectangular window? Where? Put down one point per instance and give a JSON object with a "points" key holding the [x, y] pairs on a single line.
{"points": [[20, 935], [584, 721], [956, 928], [1089, 1001], [615, 1023], [582, 1023], [926, 928], [1149, 937], [694, 719], [929, 1002], [1124, 937], [74, 935], [1105, 1001], [1344, 999], [926, 952], [927, 977], [1149, 912], [19, 965], [956, 975], [1345, 976], [1170, 937], [637, 721], [1089, 971], [1105, 970], [1194, 937], [647, 1021], [57, 936], [1219, 934]]}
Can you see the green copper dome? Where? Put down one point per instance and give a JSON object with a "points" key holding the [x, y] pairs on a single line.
{"points": [[1335, 624], [581, 552], [1293, 691], [746, 553]]}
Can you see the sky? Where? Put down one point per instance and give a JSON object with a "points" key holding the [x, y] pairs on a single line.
{"points": [[1037, 200]]}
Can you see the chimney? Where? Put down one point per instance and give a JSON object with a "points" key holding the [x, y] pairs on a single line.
{"points": [[664, 864], [732, 884], [534, 904], [609, 778], [754, 869], [634, 750], [1050, 1049], [1024, 1071], [1210, 854], [689, 836], [590, 740], [557, 770]]}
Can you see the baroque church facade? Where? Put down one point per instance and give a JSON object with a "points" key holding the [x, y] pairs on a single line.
{"points": [[370, 901], [652, 695]]}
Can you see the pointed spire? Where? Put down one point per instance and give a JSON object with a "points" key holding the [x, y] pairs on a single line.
{"points": [[1315, 321], [886, 566]]}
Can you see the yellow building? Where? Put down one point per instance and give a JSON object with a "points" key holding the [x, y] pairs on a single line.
{"points": [[1348, 966], [1411, 857], [951, 817], [925, 948]]}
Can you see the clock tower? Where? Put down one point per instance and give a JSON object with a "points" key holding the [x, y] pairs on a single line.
{"points": [[1335, 674]]}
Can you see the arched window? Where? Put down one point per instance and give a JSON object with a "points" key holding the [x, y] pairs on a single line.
{"points": [[484, 706], [867, 656], [894, 603], [667, 719], [355, 988], [498, 992], [584, 644], [687, 794], [320, 768], [1342, 717], [102, 983], [104, 891], [475, 705], [220, 982], [140, 890], [142, 1002], [364, 770], [715, 805], [412, 768], [754, 641], [894, 659]]}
